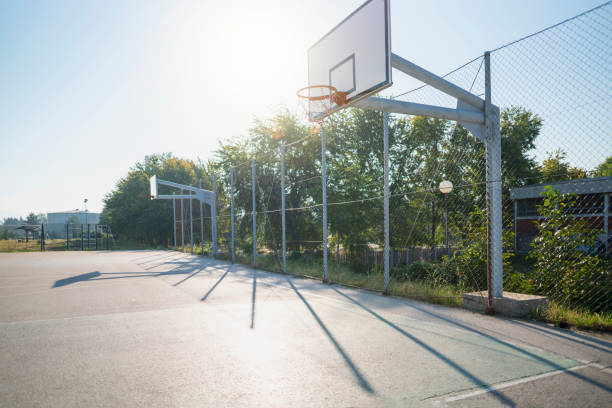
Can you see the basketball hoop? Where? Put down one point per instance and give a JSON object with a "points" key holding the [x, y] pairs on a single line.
{"points": [[149, 196], [319, 100]]}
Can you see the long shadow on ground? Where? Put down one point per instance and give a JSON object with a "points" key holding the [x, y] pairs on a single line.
{"points": [[354, 369], [532, 355], [477, 381]]}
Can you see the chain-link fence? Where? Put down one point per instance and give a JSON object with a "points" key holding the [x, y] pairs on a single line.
{"points": [[553, 91]]}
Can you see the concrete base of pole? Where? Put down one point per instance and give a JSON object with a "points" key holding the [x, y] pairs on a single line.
{"points": [[510, 304]]}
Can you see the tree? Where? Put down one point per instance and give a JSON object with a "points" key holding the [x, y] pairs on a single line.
{"points": [[556, 168], [132, 215], [519, 130], [32, 219], [605, 168], [13, 221]]}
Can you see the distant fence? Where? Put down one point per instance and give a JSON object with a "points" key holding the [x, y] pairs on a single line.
{"points": [[55, 237], [397, 257]]}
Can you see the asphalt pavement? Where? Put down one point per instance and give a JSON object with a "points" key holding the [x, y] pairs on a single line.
{"points": [[167, 329]]}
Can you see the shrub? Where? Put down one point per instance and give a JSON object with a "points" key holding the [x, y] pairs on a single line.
{"points": [[470, 261], [564, 270]]}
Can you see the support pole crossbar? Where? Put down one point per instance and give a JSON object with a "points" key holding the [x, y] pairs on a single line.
{"points": [[181, 186], [418, 109], [437, 82]]}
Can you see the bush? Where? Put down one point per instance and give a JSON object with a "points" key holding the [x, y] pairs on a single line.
{"points": [[470, 261], [295, 255], [564, 270], [431, 273], [358, 266]]}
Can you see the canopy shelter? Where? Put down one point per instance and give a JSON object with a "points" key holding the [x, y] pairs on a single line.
{"points": [[190, 193], [33, 229]]}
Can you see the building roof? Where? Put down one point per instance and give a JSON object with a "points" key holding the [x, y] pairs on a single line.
{"points": [[29, 227], [577, 186], [72, 212]]}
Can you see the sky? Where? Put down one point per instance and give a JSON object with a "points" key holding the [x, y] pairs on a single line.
{"points": [[88, 88]]}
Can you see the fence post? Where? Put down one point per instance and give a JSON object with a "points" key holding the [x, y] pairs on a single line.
{"points": [[201, 222], [67, 236], [174, 218], [81, 237], [42, 237], [283, 224], [96, 235], [494, 204], [88, 236], [191, 220], [232, 214], [253, 186], [324, 193], [214, 217], [182, 224], [386, 197]]}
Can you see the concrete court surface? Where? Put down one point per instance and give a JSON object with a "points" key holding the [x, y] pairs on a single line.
{"points": [[167, 329]]}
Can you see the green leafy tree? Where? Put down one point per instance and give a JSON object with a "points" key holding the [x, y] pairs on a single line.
{"points": [[519, 131], [132, 215], [605, 168], [13, 221], [556, 168], [32, 219]]}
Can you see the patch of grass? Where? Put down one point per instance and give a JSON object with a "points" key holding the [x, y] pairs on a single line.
{"points": [[128, 245], [308, 266], [13, 245], [566, 317]]}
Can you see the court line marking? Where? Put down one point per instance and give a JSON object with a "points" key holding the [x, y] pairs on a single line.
{"points": [[522, 381]]}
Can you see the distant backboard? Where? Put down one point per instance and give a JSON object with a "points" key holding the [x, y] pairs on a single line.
{"points": [[355, 56], [153, 183]]}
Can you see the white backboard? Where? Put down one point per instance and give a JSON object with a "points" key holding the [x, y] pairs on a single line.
{"points": [[153, 183], [355, 56]]}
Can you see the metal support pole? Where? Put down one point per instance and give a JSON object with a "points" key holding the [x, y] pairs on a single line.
{"points": [[201, 222], [446, 224], [253, 186], [386, 198], [88, 236], [283, 215], [81, 237], [182, 225], [191, 221], [174, 219], [232, 213], [96, 235], [42, 236], [214, 216], [494, 198], [606, 215], [515, 227], [324, 193], [67, 236]]}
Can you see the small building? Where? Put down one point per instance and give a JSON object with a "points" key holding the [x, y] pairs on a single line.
{"points": [[593, 203], [56, 221]]}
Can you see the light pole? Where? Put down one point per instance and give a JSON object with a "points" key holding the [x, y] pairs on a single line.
{"points": [[445, 188], [85, 203]]}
